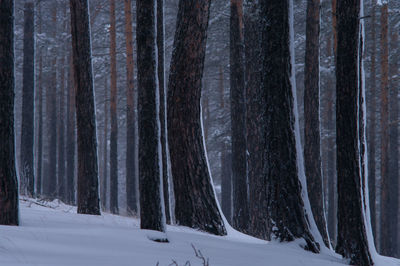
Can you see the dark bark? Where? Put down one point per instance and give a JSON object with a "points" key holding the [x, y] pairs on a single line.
{"points": [[161, 86], [28, 91], [113, 115], [39, 154], [238, 118], [150, 180], [312, 152], [130, 115], [287, 217], [352, 240], [71, 137], [226, 183], [88, 196], [196, 205], [8, 177]]}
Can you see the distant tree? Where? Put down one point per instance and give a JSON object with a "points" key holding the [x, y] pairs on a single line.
{"points": [[88, 197], [8, 177], [113, 115], [238, 118], [195, 202], [312, 152], [104, 183], [130, 114], [28, 91], [352, 240], [150, 181]]}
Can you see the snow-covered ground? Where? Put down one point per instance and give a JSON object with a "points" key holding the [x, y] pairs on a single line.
{"points": [[58, 236]]}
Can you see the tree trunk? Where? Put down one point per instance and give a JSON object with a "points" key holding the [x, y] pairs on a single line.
{"points": [[8, 176], [88, 196], [130, 114], [226, 183], [196, 205], [287, 217], [352, 240], [150, 181], [372, 124], [28, 91], [71, 136], [103, 185], [161, 86], [238, 118], [113, 115], [312, 152]]}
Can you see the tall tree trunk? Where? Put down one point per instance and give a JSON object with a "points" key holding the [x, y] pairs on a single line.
{"points": [[386, 199], [312, 152], [103, 185], [71, 136], [39, 154], [88, 196], [130, 114], [372, 123], [226, 183], [285, 204], [28, 91], [113, 115], [161, 86], [8, 176], [238, 118], [195, 202], [352, 240], [150, 181]]}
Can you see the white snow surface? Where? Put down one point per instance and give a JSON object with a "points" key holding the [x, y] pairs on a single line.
{"points": [[56, 235]]}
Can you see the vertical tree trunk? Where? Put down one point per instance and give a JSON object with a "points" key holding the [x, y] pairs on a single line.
{"points": [[28, 91], [238, 118], [312, 152], [113, 115], [8, 177], [386, 230], [226, 183], [103, 185], [372, 124], [352, 240], [130, 114], [71, 136], [150, 181], [161, 86], [285, 205], [196, 205], [39, 154], [88, 196]]}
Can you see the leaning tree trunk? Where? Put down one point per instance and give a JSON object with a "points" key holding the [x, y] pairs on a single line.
{"points": [[161, 86], [285, 205], [196, 205], [113, 115], [130, 115], [88, 196], [28, 91], [312, 151], [238, 118], [352, 240], [150, 181], [8, 176]]}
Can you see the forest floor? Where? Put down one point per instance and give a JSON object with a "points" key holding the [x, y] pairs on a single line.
{"points": [[55, 235]]}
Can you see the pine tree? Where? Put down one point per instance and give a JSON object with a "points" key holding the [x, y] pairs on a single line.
{"points": [[8, 176], [196, 205], [88, 198]]}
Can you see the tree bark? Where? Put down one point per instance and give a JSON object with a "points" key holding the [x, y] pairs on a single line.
{"points": [[161, 86], [352, 240], [28, 91], [130, 114], [150, 180], [8, 176], [312, 151], [196, 205], [113, 115], [88, 196], [238, 118]]}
